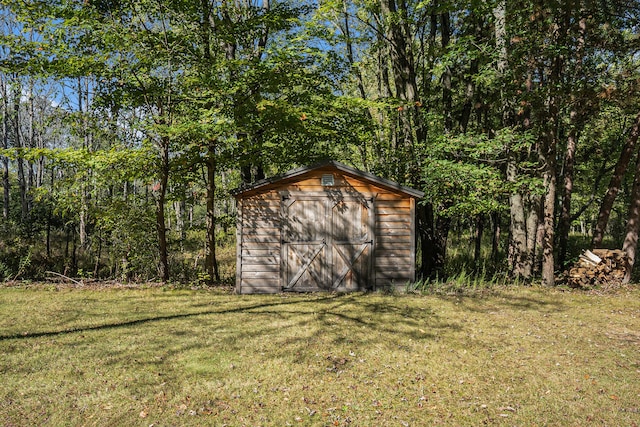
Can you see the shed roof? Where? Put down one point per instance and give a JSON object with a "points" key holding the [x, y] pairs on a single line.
{"points": [[266, 184]]}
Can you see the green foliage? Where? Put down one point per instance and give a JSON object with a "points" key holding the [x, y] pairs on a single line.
{"points": [[139, 93], [463, 174]]}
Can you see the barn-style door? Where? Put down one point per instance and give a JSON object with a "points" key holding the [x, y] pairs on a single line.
{"points": [[327, 242], [304, 246], [352, 242]]}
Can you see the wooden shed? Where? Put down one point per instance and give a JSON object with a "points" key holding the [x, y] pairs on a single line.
{"points": [[327, 227]]}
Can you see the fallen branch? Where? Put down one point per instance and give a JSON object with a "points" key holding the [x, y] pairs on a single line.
{"points": [[65, 277]]}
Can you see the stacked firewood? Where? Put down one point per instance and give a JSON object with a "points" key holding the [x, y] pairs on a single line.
{"points": [[600, 267]]}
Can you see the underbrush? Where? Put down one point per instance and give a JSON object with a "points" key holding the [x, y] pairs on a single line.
{"points": [[134, 259], [127, 259]]}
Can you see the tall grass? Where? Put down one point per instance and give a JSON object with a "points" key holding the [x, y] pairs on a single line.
{"points": [[463, 274]]}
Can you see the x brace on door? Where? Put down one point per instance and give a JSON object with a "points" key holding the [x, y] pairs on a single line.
{"points": [[348, 263], [306, 265]]}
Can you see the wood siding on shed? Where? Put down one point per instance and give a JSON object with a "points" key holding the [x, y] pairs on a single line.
{"points": [[395, 246], [260, 232], [258, 254]]}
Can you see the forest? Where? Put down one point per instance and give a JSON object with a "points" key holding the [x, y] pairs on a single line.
{"points": [[127, 123]]}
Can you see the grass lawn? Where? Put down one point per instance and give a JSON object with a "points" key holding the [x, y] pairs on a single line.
{"points": [[154, 356]]}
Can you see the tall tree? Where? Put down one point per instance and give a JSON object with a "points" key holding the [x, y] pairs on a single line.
{"points": [[614, 184]]}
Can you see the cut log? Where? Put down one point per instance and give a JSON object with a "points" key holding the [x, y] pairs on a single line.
{"points": [[592, 257]]}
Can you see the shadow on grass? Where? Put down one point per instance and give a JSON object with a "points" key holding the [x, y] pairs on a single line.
{"points": [[496, 300], [336, 306], [158, 319]]}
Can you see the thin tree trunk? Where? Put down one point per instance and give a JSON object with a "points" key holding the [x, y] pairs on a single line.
{"points": [[564, 227], [443, 224], [50, 216], [534, 206], [410, 126], [549, 178], [495, 238], [470, 90], [425, 229], [350, 56], [41, 163], [517, 255], [630, 243], [74, 254], [565, 214], [163, 267], [499, 12], [22, 184], [363, 149], [447, 93], [211, 261], [31, 142], [547, 151], [614, 184], [5, 144], [96, 267], [478, 238], [83, 213]]}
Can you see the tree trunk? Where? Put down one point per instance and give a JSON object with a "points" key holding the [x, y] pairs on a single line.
{"points": [[83, 104], [179, 211], [534, 206], [22, 184], [41, 162], [470, 90], [5, 144], [548, 212], [614, 184], [564, 227], [495, 238], [346, 30], [50, 216], [478, 238], [211, 262], [425, 231], [575, 117], [633, 224], [447, 93], [499, 13], [443, 224], [518, 255], [432, 230], [161, 192], [96, 267], [31, 143], [74, 253]]}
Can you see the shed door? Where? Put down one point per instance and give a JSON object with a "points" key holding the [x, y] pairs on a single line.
{"points": [[304, 244], [352, 241], [327, 243]]}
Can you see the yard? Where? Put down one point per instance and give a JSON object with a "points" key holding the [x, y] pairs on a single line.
{"points": [[161, 356]]}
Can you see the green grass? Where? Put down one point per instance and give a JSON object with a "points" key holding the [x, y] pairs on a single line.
{"points": [[154, 356]]}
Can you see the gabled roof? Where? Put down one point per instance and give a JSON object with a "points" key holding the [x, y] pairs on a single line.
{"points": [[264, 184]]}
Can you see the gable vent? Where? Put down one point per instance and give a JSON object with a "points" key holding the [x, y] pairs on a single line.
{"points": [[327, 180]]}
